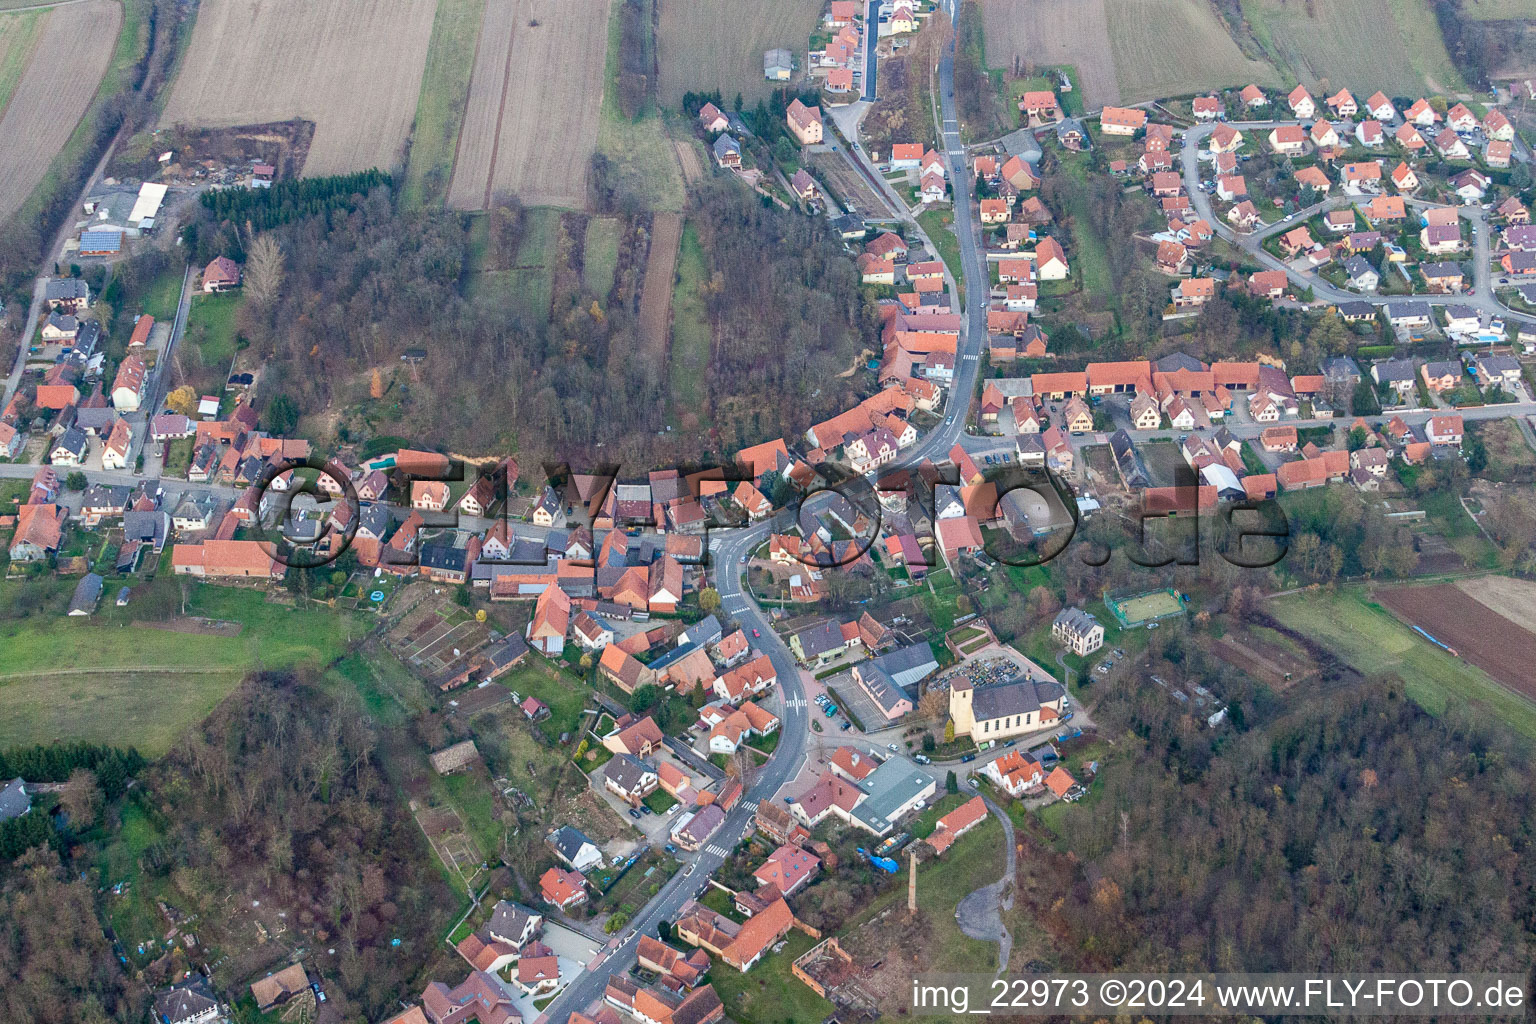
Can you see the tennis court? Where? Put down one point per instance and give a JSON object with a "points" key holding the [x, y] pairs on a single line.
{"points": [[1148, 607]]}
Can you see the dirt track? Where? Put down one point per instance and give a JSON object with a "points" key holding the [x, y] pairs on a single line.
{"points": [[65, 69], [656, 295], [353, 67], [535, 96], [1493, 643]]}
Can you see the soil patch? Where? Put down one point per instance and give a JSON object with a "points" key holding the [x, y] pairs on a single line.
{"points": [[1497, 645]]}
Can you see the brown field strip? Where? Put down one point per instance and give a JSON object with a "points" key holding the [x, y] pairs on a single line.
{"points": [[1044, 32], [1493, 643], [1514, 599], [353, 67], [65, 69], [705, 45], [1170, 47], [534, 98], [656, 294]]}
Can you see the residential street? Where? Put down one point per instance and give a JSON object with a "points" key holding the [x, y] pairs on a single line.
{"points": [[1481, 297], [727, 553]]}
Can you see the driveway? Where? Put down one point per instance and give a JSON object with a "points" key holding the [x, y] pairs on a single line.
{"points": [[979, 915]]}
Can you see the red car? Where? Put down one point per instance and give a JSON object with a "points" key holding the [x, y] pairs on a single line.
{"points": [[756, 633]]}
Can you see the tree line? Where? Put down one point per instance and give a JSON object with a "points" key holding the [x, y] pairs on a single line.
{"points": [[262, 209], [55, 762]]}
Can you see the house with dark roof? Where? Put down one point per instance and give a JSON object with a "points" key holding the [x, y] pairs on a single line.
{"points": [[573, 848], [629, 778], [188, 1003], [1024, 704], [87, 595], [14, 801]]}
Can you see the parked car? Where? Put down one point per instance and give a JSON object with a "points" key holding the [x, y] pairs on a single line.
{"points": [[846, 726], [892, 746], [644, 809], [923, 759], [670, 848], [975, 782], [634, 814], [756, 633], [967, 758]]}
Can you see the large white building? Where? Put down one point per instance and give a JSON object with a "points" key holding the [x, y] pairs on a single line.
{"points": [[1078, 631]]}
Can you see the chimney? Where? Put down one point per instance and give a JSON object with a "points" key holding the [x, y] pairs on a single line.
{"points": [[912, 883]]}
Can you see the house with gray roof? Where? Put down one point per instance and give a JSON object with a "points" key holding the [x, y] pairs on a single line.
{"points": [[187, 1003], [573, 847], [629, 778], [893, 790], [514, 924], [1398, 374], [14, 801], [727, 151], [87, 595], [907, 666]]}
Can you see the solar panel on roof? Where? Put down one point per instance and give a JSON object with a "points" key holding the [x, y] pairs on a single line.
{"points": [[101, 241]]}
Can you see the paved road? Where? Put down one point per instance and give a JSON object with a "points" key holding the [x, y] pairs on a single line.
{"points": [[728, 550], [46, 270], [1481, 297], [871, 37], [980, 914]]}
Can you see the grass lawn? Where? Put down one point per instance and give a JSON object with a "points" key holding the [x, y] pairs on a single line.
{"points": [[769, 993], [131, 685], [1089, 256], [1370, 640], [531, 288], [975, 860], [939, 224], [940, 599], [18, 33], [160, 298], [660, 801], [641, 160], [564, 693], [691, 334], [444, 95], [211, 327], [600, 255]]}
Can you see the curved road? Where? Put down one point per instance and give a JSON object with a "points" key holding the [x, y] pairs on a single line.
{"points": [[1480, 297], [727, 553]]}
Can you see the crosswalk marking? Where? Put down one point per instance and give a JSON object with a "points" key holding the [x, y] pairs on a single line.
{"points": [[717, 850], [797, 702]]}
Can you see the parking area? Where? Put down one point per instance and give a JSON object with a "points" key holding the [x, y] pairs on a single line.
{"points": [[865, 712]]}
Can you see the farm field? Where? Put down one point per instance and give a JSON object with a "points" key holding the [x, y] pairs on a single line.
{"points": [[18, 34], [656, 294], [444, 94], [1497, 10], [1499, 646], [538, 77], [1368, 639], [1407, 53], [68, 59], [1053, 32], [1171, 47], [1514, 599], [136, 685], [354, 67], [710, 45]]}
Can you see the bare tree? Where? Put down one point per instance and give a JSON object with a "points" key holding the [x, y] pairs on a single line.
{"points": [[264, 269]]}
